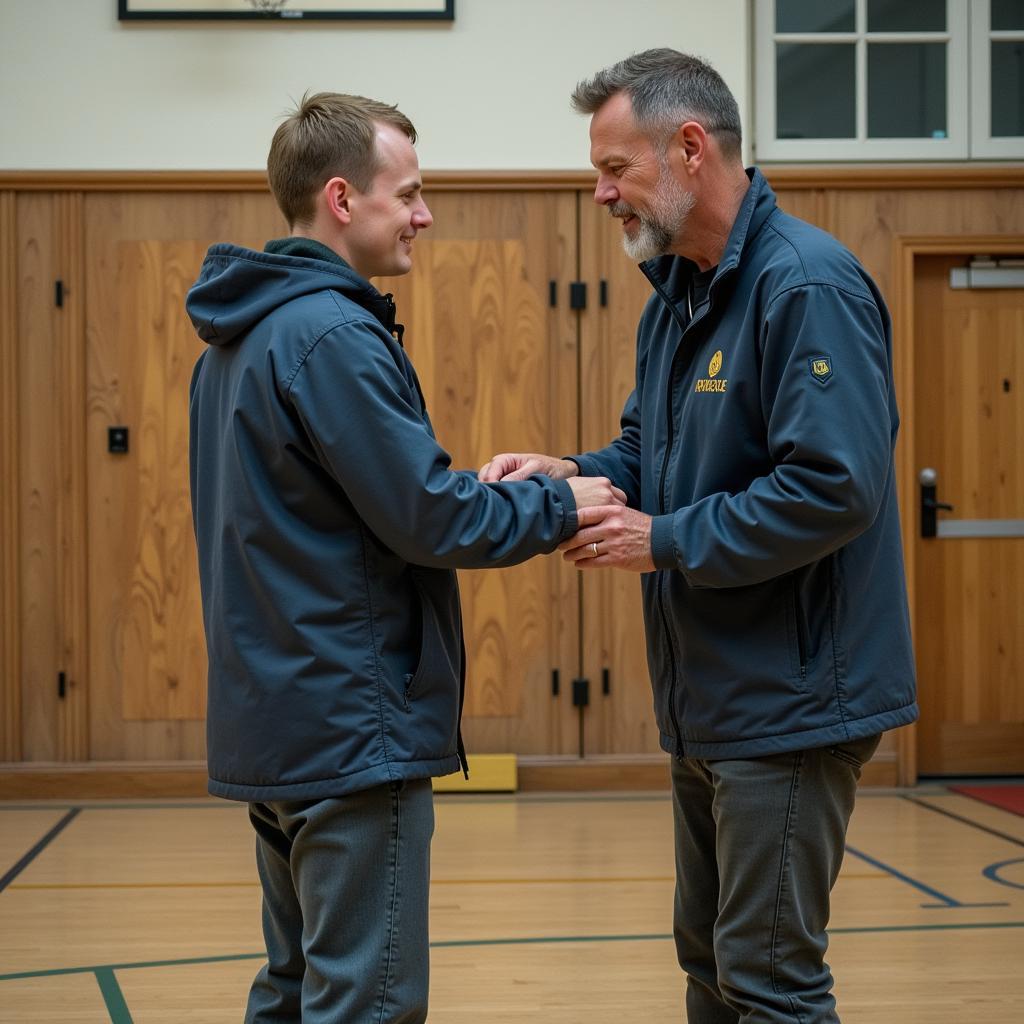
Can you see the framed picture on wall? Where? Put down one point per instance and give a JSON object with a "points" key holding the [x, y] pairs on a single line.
{"points": [[285, 10]]}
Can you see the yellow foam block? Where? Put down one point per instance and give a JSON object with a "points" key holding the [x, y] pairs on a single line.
{"points": [[488, 773]]}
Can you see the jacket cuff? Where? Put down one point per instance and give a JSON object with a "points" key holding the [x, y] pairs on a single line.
{"points": [[585, 465], [663, 545], [570, 520]]}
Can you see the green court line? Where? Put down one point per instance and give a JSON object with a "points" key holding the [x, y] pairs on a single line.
{"points": [[534, 940], [113, 996]]}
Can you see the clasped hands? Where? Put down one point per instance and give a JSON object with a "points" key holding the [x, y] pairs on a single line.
{"points": [[610, 534]]}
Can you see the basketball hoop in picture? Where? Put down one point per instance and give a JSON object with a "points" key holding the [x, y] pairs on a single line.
{"points": [[267, 6]]}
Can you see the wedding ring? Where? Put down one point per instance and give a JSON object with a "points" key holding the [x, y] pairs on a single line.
{"points": [[593, 548]]}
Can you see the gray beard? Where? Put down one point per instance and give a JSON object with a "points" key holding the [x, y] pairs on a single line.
{"points": [[670, 209]]}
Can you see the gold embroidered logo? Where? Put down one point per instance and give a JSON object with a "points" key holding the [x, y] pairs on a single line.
{"points": [[820, 367], [709, 383]]}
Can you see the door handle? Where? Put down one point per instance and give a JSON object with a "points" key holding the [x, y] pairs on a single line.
{"points": [[929, 503]]}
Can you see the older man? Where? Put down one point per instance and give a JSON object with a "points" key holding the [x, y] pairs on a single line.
{"points": [[757, 454]]}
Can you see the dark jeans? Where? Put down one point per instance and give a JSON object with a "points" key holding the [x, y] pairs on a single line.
{"points": [[345, 895], [759, 844]]}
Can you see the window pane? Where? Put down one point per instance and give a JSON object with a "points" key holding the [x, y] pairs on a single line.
{"points": [[815, 91], [907, 90], [1007, 89], [906, 15], [814, 16], [1007, 15]]}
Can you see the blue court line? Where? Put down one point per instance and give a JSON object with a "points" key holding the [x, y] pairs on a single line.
{"points": [[967, 821], [992, 873], [944, 900], [108, 969], [38, 848]]}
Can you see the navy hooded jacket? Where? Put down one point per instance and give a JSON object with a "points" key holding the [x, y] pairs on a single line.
{"points": [[760, 437], [329, 525]]}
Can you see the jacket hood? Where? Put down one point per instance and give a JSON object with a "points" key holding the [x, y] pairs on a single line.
{"points": [[238, 287]]}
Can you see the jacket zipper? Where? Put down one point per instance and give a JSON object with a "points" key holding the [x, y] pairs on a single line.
{"points": [[669, 633], [673, 717]]}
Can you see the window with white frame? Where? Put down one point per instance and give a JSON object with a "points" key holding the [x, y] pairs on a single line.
{"points": [[889, 79]]}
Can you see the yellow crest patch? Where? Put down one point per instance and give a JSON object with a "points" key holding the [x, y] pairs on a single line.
{"points": [[716, 364], [820, 367]]}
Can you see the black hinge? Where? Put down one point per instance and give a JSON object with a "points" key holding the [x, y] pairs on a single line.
{"points": [[58, 293], [552, 294], [62, 685], [580, 693], [577, 295], [554, 682], [603, 293], [606, 681]]}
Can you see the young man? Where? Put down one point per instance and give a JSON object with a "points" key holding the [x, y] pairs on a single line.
{"points": [[329, 525], [757, 455]]}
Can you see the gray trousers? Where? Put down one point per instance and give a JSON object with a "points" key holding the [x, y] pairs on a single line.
{"points": [[345, 898], [759, 844]]}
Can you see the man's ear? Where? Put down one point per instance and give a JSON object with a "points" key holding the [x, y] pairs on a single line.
{"points": [[337, 195], [688, 147]]}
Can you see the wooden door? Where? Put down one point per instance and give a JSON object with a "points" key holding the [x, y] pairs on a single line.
{"points": [[147, 660], [620, 719], [969, 426], [497, 363]]}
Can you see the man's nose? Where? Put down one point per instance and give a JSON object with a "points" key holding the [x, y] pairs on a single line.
{"points": [[423, 218], [605, 192]]}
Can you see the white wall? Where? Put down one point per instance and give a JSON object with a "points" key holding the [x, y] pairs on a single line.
{"points": [[82, 91]]}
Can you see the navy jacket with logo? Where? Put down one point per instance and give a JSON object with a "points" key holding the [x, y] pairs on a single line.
{"points": [[760, 437], [329, 524]]}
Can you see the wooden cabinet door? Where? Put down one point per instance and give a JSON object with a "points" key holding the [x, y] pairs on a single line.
{"points": [[147, 660], [48, 705], [497, 363], [620, 718], [969, 409]]}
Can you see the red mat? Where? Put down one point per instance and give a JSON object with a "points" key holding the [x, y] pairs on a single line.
{"points": [[1009, 798]]}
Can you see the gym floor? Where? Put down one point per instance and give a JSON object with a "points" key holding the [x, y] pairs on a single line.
{"points": [[544, 908]]}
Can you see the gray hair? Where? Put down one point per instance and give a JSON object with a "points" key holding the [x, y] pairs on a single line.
{"points": [[667, 88]]}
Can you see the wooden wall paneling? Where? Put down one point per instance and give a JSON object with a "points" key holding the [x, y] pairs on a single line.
{"points": [[51, 481], [621, 721], [10, 493], [497, 364], [847, 177], [147, 654], [70, 365], [809, 204], [38, 455]]}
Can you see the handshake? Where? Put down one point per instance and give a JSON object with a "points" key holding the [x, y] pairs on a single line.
{"points": [[609, 534]]}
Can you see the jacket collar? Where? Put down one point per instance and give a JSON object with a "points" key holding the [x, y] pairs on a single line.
{"points": [[380, 306], [671, 275]]}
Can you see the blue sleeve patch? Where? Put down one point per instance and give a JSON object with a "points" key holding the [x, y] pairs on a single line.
{"points": [[820, 367]]}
